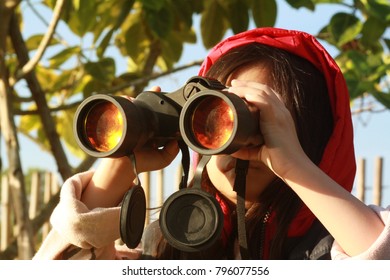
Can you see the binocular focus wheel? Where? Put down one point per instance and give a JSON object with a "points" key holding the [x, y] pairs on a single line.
{"points": [[132, 216], [191, 220]]}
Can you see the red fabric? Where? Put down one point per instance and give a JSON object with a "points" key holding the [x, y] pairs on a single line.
{"points": [[227, 225], [338, 160]]}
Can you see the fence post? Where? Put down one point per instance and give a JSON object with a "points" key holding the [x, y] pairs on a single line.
{"points": [[46, 198], [361, 179], [34, 195], [377, 188], [5, 213]]}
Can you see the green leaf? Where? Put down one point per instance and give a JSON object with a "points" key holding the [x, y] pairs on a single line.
{"points": [[344, 28], [33, 42], [81, 85], [212, 24], [160, 21], [155, 5], [124, 12], [64, 122], [63, 81], [379, 9], [183, 11], [58, 59], [104, 43], [383, 98], [264, 12], [236, 14], [301, 3], [387, 42], [103, 70], [172, 49], [83, 18], [133, 40], [363, 73], [30, 123], [372, 31], [46, 77]]}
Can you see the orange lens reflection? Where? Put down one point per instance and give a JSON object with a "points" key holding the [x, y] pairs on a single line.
{"points": [[104, 126], [212, 123]]}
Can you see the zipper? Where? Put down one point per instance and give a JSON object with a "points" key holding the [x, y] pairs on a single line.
{"points": [[262, 233]]}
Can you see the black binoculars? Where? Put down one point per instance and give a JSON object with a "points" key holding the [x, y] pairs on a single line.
{"points": [[203, 113]]}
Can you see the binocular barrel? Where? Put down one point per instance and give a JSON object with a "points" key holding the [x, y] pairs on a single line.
{"points": [[210, 121]]}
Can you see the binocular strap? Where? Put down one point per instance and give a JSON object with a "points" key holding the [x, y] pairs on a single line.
{"points": [[133, 212], [185, 162], [240, 188]]}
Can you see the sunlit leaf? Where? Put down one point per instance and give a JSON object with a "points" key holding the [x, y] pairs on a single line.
{"points": [[65, 129], [344, 27], [103, 69], [58, 59], [83, 18], [124, 12], [46, 77], [33, 42], [29, 123]]}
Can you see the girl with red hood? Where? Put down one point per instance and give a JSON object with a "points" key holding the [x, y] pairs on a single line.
{"points": [[298, 203]]}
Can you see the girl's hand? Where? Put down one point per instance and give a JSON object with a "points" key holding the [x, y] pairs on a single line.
{"points": [[114, 176], [281, 149]]}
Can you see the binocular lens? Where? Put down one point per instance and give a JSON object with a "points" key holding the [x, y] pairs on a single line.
{"points": [[104, 126], [212, 122]]}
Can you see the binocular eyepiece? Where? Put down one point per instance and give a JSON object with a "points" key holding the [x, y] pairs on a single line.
{"points": [[209, 119]]}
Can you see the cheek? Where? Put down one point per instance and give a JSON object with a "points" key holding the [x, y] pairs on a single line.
{"points": [[258, 179], [221, 177]]}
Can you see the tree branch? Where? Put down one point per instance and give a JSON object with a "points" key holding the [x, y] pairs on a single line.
{"points": [[30, 65], [38, 95], [8, 128], [149, 78]]}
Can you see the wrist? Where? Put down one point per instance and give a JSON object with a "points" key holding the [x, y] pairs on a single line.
{"points": [[109, 183]]}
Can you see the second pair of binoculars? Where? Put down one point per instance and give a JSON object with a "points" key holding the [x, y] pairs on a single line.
{"points": [[203, 113]]}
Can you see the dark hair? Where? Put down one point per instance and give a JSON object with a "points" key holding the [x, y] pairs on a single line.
{"points": [[304, 91]]}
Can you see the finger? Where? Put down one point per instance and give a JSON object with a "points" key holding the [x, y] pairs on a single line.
{"points": [[158, 158], [247, 87], [155, 88]]}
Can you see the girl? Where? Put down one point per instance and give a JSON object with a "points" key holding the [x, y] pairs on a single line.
{"points": [[298, 201]]}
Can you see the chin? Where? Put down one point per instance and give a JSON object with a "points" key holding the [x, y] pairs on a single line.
{"points": [[221, 171]]}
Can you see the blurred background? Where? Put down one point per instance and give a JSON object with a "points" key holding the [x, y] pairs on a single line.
{"points": [[57, 53]]}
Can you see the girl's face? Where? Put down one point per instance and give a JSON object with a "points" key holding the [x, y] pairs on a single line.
{"points": [[221, 168]]}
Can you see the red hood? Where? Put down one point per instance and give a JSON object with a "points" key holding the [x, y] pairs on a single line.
{"points": [[338, 160]]}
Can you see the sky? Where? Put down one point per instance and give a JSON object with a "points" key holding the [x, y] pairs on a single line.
{"points": [[370, 129]]}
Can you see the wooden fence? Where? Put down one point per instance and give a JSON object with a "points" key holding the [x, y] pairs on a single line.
{"points": [[158, 186]]}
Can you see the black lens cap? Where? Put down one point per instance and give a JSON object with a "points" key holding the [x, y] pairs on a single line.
{"points": [[132, 216], [191, 220]]}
